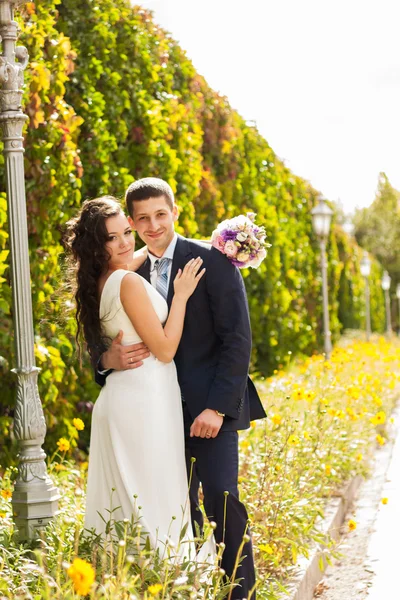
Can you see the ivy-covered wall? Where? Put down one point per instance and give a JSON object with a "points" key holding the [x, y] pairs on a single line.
{"points": [[112, 97]]}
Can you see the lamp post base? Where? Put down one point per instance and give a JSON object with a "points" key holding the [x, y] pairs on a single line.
{"points": [[34, 506]]}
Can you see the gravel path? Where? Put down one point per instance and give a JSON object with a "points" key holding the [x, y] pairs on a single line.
{"points": [[351, 576]]}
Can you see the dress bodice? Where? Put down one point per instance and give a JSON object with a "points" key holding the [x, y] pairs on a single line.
{"points": [[112, 314]]}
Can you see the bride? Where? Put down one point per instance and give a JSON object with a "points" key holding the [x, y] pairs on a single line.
{"points": [[137, 423]]}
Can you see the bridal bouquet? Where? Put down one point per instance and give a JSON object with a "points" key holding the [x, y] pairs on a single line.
{"points": [[241, 240]]}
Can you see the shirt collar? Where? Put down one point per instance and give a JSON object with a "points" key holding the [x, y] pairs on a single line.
{"points": [[169, 252]]}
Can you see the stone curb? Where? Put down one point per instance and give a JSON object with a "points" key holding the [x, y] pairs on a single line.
{"points": [[302, 586]]}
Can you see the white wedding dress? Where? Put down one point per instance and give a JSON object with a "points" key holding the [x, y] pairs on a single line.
{"points": [[137, 456]]}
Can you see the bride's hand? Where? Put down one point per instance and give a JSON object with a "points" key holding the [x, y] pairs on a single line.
{"points": [[138, 259], [186, 281]]}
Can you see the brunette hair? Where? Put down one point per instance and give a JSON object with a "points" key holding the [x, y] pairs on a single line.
{"points": [[85, 243], [148, 187]]}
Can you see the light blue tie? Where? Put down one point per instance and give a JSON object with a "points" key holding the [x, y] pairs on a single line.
{"points": [[161, 266]]}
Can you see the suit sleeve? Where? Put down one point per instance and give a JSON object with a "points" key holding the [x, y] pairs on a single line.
{"points": [[228, 302]]}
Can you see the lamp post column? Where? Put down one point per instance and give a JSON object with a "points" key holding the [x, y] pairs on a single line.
{"points": [[398, 301], [321, 221], [365, 268], [325, 301], [389, 330], [367, 310], [386, 281], [35, 498]]}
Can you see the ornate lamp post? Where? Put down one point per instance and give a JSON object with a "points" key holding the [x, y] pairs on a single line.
{"points": [[321, 217], [35, 497], [365, 267], [386, 287], [398, 298]]}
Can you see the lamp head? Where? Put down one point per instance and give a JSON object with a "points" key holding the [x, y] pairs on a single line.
{"points": [[321, 218], [365, 265], [386, 281]]}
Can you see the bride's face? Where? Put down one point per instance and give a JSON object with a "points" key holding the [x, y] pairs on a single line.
{"points": [[121, 243]]}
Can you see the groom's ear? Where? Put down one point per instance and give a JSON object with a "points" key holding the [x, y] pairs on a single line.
{"points": [[131, 223], [175, 212]]}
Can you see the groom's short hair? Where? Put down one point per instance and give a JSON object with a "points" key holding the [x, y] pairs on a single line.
{"points": [[148, 187]]}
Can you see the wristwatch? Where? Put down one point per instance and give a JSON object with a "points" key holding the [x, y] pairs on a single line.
{"points": [[99, 368], [220, 414]]}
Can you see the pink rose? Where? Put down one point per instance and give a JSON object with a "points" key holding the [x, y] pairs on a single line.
{"points": [[218, 242], [230, 248]]}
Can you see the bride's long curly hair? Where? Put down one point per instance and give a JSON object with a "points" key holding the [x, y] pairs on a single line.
{"points": [[87, 259]]}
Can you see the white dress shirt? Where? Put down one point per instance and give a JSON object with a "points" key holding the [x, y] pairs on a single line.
{"points": [[169, 253]]}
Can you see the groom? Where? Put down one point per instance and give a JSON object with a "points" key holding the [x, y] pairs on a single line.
{"points": [[212, 362]]}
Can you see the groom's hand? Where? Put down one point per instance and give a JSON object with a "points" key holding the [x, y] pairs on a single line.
{"points": [[207, 424], [120, 358]]}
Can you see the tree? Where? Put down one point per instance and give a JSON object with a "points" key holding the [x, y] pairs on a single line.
{"points": [[377, 227]]}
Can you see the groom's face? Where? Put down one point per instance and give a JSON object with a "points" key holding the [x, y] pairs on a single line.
{"points": [[154, 221]]}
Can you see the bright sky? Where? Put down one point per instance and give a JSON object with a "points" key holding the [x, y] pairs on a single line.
{"points": [[321, 79]]}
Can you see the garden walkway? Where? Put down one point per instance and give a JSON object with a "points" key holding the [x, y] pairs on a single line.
{"points": [[369, 567]]}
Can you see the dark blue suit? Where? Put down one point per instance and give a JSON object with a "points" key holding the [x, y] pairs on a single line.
{"points": [[212, 363]]}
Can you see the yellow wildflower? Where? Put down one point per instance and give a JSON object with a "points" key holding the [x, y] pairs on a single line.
{"points": [[276, 419], [391, 420], [331, 412], [309, 396], [266, 548], [278, 468], [293, 440], [377, 400], [155, 589], [298, 394], [385, 500], [328, 470], [63, 445], [84, 465], [3, 515], [253, 424], [380, 439], [340, 414], [353, 392], [379, 418], [60, 467], [6, 494], [352, 525], [306, 435], [78, 424], [359, 457], [82, 575]]}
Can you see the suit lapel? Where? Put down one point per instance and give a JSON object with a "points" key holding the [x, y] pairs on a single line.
{"points": [[181, 256], [144, 270]]}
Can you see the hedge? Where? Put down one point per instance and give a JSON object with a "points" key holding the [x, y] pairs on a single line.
{"points": [[111, 97]]}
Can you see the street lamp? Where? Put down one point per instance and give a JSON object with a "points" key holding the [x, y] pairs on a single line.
{"points": [[398, 298], [35, 498], [365, 268], [386, 287], [321, 219]]}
